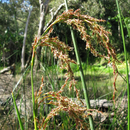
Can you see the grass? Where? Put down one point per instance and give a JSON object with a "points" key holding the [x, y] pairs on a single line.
{"points": [[99, 81], [1, 67]]}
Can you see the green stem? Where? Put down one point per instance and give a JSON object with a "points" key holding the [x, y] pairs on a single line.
{"points": [[18, 114], [33, 99], [127, 71], [126, 25], [81, 72]]}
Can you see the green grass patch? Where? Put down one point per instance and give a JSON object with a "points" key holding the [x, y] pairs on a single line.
{"points": [[99, 80]]}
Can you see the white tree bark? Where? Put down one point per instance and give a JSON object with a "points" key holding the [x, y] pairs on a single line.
{"points": [[42, 27], [24, 42], [53, 17], [43, 12]]}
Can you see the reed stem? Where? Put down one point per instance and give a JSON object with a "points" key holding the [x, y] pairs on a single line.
{"points": [[81, 72], [33, 99], [127, 70]]}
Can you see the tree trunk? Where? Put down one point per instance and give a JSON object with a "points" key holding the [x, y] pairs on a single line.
{"points": [[10, 68], [24, 41], [42, 27], [43, 11], [53, 15]]}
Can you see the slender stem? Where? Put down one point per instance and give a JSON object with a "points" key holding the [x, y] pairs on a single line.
{"points": [[18, 114], [33, 99], [81, 72], [24, 92], [127, 70]]}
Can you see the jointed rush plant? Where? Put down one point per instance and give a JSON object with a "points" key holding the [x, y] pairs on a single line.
{"points": [[60, 51]]}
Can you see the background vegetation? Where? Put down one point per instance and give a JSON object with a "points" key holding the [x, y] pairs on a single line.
{"points": [[98, 73], [14, 15]]}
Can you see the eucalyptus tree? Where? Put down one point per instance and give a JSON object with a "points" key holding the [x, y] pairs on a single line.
{"points": [[29, 9], [43, 11]]}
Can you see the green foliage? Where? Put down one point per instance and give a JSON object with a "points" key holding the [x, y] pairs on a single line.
{"points": [[111, 15], [75, 68], [93, 8], [10, 47], [127, 21], [12, 25]]}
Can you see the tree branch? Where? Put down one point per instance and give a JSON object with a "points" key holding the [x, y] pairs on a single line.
{"points": [[54, 16]]}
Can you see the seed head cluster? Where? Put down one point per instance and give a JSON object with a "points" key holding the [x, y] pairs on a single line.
{"points": [[60, 51]]}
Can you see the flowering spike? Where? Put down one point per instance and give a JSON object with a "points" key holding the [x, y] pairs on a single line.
{"points": [[60, 51]]}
